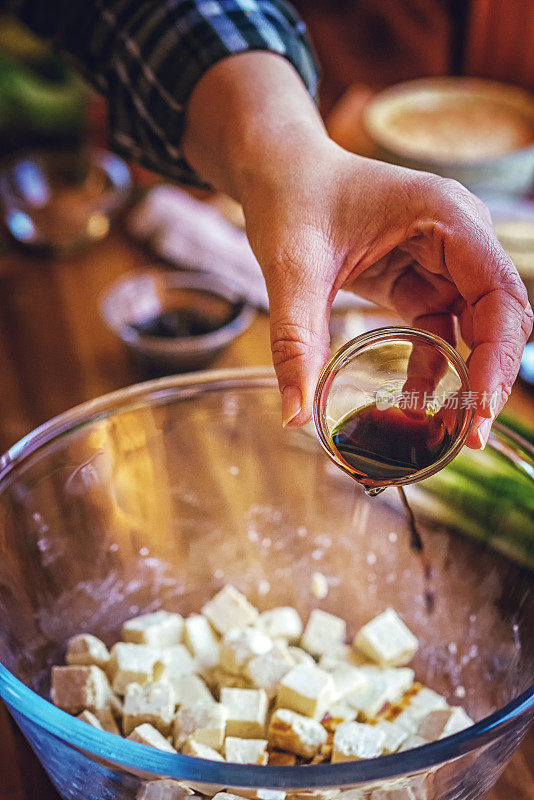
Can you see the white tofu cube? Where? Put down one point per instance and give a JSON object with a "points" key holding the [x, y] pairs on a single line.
{"points": [[442, 723], [347, 680], [342, 654], [163, 789], [90, 719], [76, 689], [282, 623], [225, 796], [205, 723], [146, 734], [387, 640], [199, 750], [307, 690], [319, 586], [411, 742], [354, 741], [394, 735], [160, 629], [239, 645], [153, 703], [245, 751], [133, 663], [107, 720], [175, 662], [246, 712], [230, 609], [383, 686], [86, 650], [190, 689], [414, 707], [323, 632], [295, 733], [300, 656], [340, 712], [201, 641], [261, 794], [266, 672]]}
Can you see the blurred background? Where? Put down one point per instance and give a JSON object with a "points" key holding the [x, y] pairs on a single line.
{"points": [[109, 274]]}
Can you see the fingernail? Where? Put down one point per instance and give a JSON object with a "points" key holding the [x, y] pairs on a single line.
{"points": [[483, 432], [291, 404]]}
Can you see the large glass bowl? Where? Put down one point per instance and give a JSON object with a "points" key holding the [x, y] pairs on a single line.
{"points": [[160, 494]]}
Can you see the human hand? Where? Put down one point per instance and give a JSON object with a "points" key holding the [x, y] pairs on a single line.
{"points": [[410, 241], [320, 219]]}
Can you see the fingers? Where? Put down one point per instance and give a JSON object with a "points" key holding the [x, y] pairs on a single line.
{"points": [[498, 321], [300, 345]]}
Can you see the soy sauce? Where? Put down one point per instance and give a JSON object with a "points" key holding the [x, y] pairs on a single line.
{"points": [[387, 444]]}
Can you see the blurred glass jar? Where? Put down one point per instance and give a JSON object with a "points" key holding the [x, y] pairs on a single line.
{"points": [[57, 202]]}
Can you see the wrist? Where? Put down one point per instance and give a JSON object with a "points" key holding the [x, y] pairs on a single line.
{"points": [[249, 120]]}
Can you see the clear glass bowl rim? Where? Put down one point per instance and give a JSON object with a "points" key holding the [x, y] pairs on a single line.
{"points": [[358, 345], [122, 752]]}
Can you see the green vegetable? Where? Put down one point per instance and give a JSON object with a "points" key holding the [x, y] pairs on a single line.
{"points": [[489, 497]]}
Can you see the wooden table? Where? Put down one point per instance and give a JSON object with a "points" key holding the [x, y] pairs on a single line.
{"points": [[54, 353]]}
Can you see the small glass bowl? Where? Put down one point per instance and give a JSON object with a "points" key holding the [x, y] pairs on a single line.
{"points": [[57, 202], [138, 297], [407, 368]]}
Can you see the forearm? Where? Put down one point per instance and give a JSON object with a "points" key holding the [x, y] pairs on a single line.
{"points": [[250, 118]]}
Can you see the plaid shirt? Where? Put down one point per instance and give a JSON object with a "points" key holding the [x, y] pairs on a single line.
{"points": [[146, 56]]}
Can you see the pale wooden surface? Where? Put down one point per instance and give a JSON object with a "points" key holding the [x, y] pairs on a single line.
{"points": [[54, 353]]}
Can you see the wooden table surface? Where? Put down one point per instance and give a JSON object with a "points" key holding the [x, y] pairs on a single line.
{"points": [[55, 353]]}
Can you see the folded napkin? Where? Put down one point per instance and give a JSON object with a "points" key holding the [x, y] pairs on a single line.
{"points": [[194, 235]]}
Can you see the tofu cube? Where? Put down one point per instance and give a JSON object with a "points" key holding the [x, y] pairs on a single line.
{"points": [[190, 689], [163, 789], [225, 796], [203, 722], [323, 632], [307, 690], [76, 689], [160, 629], [239, 645], [442, 723], [296, 733], [347, 680], [107, 720], [245, 751], [86, 650], [146, 734], [383, 686], [90, 719], [230, 609], [174, 663], [411, 742], [133, 663], [246, 712], [394, 735], [153, 703], [300, 656], [342, 654], [387, 640], [414, 706], [266, 672], [282, 623], [339, 712], [354, 741], [199, 750], [201, 641]]}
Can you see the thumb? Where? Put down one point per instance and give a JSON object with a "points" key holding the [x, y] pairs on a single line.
{"points": [[300, 344]]}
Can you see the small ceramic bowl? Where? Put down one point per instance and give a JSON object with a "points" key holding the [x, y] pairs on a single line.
{"points": [[478, 132], [176, 321]]}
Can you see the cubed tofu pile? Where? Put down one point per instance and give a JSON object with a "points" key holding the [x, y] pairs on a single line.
{"points": [[231, 684]]}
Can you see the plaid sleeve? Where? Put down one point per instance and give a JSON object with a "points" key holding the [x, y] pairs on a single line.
{"points": [[147, 56]]}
